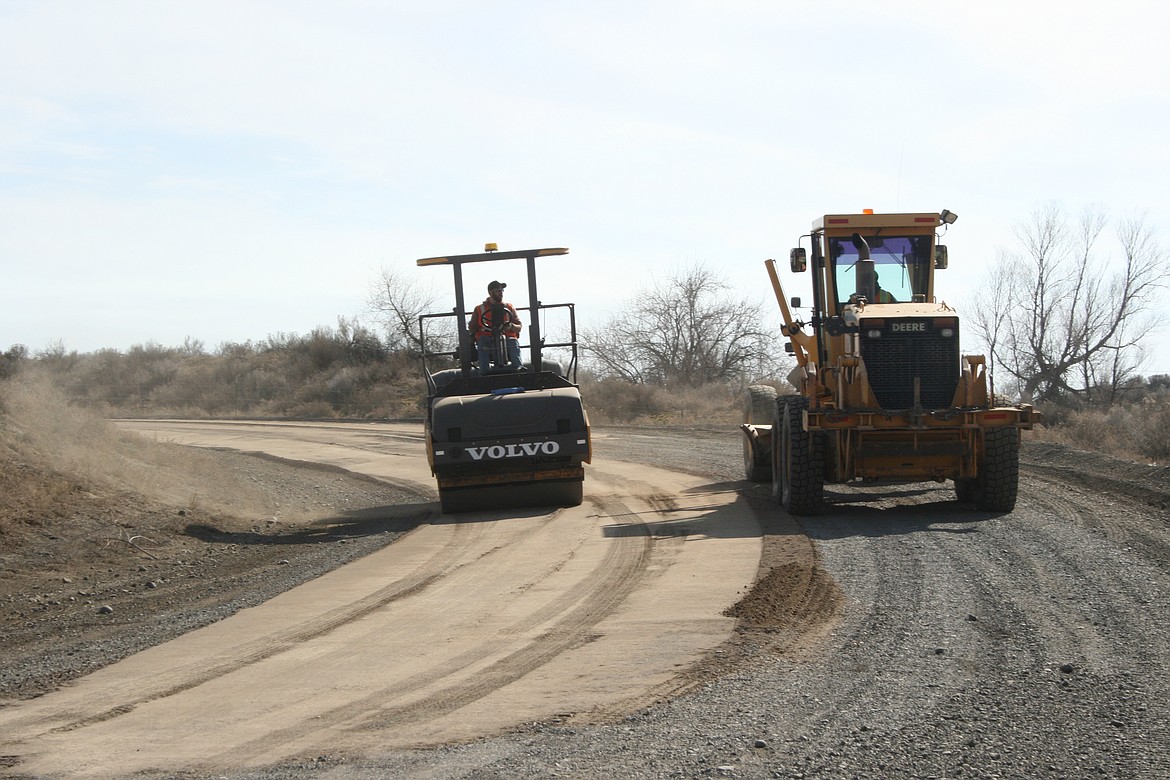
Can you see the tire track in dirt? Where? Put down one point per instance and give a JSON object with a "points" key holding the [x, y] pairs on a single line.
{"points": [[1131, 531], [961, 594], [591, 612], [1098, 567], [580, 608], [449, 557]]}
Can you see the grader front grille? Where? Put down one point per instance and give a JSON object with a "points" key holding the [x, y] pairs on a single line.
{"points": [[901, 351]]}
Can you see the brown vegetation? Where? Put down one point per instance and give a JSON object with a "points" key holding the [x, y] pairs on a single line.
{"points": [[687, 331], [350, 373], [1065, 317], [1135, 430], [343, 372]]}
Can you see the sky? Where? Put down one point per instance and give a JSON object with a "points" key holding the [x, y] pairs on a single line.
{"points": [[223, 171]]}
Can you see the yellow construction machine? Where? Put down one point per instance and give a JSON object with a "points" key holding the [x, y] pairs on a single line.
{"points": [[883, 392], [500, 434]]}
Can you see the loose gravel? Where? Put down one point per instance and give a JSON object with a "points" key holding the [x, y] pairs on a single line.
{"points": [[122, 574]]}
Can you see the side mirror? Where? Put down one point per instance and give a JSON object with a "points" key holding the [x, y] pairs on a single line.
{"points": [[795, 302], [940, 256], [798, 260]]}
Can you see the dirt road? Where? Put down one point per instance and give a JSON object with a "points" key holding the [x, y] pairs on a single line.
{"points": [[899, 634], [467, 626]]}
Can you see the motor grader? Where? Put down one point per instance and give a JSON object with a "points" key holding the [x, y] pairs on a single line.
{"points": [[883, 393]]}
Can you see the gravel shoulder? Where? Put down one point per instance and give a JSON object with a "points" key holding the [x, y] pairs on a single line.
{"points": [[113, 573], [898, 635]]}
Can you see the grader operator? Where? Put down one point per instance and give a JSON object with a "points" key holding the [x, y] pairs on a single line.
{"points": [[883, 391]]}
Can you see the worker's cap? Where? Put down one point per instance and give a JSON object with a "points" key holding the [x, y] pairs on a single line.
{"points": [[495, 285]]}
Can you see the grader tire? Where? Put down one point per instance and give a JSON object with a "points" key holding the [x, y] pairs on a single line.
{"points": [[761, 399], [799, 461], [999, 478], [778, 455]]}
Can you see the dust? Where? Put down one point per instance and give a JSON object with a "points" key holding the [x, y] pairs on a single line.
{"points": [[49, 448]]}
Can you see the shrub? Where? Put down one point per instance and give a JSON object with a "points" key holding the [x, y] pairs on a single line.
{"points": [[1154, 427], [618, 401], [12, 360]]}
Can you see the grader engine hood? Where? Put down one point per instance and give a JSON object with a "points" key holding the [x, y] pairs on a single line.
{"points": [[911, 354]]}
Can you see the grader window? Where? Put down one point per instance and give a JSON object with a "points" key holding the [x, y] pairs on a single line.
{"points": [[902, 264]]}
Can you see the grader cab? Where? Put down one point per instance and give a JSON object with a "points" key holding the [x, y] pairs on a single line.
{"points": [[883, 391]]}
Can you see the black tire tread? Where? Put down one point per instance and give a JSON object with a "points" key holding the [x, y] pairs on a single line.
{"points": [[804, 484], [999, 477], [758, 411]]}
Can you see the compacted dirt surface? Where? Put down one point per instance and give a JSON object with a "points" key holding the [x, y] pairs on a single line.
{"points": [[676, 625]]}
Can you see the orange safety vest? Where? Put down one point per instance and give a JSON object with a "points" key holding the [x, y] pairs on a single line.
{"points": [[481, 320]]}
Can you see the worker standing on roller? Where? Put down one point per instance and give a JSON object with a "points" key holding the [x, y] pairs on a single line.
{"points": [[495, 322]]}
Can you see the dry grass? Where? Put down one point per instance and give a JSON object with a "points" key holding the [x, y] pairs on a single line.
{"points": [[320, 377], [1138, 431], [611, 401], [323, 375]]}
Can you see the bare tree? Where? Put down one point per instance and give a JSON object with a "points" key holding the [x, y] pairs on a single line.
{"points": [[1064, 319], [993, 301], [687, 330], [397, 300]]}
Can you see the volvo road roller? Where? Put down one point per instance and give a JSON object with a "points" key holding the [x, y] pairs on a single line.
{"points": [[505, 426]]}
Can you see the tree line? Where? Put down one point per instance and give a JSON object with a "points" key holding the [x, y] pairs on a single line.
{"points": [[1065, 317], [347, 371]]}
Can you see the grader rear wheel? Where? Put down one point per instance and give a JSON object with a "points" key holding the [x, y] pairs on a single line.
{"points": [[761, 399]]}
